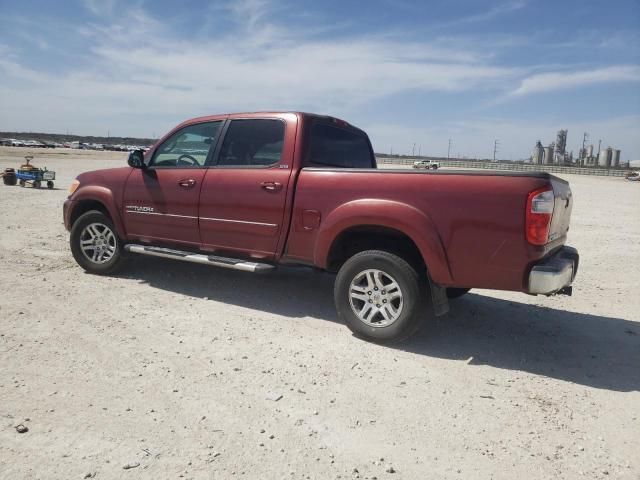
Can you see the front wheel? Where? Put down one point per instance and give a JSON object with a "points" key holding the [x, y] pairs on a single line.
{"points": [[95, 244], [380, 296]]}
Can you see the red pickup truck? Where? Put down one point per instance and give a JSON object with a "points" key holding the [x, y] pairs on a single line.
{"points": [[254, 190]]}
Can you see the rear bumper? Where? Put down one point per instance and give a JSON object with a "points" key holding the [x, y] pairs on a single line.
{"points": [[554, 273]]}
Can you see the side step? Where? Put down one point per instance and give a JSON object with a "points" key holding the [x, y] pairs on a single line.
{"points": [[212, 260]]}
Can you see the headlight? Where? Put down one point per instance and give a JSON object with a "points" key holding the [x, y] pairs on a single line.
{"points": [[73, 187]]}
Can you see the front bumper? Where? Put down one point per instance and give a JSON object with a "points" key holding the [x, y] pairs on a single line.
{"points": [[67, 208], [554, 273]]}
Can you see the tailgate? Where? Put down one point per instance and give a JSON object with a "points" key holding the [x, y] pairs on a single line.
{"points": [[561, 210]]}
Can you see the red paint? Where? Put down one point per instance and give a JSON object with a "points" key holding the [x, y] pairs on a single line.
{"points": [[470, 227]]}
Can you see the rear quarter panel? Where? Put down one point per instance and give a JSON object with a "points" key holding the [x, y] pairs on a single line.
{"points": [[469, 227]]}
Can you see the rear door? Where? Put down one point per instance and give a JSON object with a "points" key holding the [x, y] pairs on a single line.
{"points": [[161, 201], [244, 191]]}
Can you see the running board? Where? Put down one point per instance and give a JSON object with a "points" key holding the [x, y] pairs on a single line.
{"points": [[212, 260]]}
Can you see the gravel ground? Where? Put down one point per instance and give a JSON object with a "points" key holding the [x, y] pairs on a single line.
{"points": [[172, 370]]}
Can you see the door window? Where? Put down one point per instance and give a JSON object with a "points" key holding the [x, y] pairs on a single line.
{"points": [[252, 143], [188, 147]]}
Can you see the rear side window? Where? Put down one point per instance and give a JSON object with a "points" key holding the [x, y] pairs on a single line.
{"points": [[252, 143], [336, 147]]}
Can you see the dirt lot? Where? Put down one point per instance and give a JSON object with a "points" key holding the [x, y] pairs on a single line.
{"points": [[174, 369]]}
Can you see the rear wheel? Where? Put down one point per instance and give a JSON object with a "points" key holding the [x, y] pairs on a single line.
{"points": [[36, 184], [22, 183], [456, 292], [95, 244], [49, 184], [380, 296]]}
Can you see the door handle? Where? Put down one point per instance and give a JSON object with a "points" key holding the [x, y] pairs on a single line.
{"points": [[271, 186], [187, 182]]}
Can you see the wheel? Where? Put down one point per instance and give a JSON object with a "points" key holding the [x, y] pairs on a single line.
{"points": [[456, 292], [9, 179], [22, 183], [36, 184], [380, 296], [95, 244], [49, 184]]}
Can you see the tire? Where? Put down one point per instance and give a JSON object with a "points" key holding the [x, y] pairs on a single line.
{"points": [[376, 327], [453, 293], [22, 183], [9, 180], [49, 184], [36, 184], [95, 225]]}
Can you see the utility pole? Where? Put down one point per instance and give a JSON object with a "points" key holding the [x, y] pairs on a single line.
{"points": [[419, 149], [413, 150], [449, 150], [495, 149]]}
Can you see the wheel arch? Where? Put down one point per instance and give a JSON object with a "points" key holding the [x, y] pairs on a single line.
{"points": [[100, 199], [382, 223]]}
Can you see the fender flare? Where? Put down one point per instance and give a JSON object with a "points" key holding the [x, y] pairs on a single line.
{"points": [[399, 216], [104, 196]]}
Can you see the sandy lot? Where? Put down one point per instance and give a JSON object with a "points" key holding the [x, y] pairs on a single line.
{"points": [[173, 369]]}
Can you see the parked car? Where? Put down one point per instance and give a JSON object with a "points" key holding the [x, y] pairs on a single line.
{"points": [[428, 164], [253, 191]]}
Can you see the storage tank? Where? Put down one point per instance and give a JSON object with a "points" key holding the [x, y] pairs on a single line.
{"points": [[615, 159], [604, 160], [537, 157], [548, 154]]}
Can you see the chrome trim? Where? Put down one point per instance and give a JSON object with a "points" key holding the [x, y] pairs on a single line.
{"points": [[239, 221], [161, 214], [203, 218], [231, 263], [554, 273]]}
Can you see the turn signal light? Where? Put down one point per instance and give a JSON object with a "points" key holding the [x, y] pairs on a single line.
{"points": [[73, 187], [539, 211]]}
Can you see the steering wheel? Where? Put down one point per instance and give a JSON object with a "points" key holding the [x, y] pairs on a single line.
{"points": [[192, 160]]}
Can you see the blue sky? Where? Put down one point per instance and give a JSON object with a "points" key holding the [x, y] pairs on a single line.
{"points": [[408, 72]]}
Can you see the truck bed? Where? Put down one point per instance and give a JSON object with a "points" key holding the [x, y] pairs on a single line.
{"points": [[475, 218]]}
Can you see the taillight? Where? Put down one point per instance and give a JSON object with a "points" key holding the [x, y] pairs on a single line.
{"points": [[538, 217]]}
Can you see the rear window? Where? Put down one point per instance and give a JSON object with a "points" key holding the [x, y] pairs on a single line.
{"points": [[336, 147]]}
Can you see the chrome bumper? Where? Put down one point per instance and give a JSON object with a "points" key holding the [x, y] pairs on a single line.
{"points": [[554, 274]]}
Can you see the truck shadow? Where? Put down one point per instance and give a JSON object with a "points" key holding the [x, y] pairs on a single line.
{"points": [[595, 351]]}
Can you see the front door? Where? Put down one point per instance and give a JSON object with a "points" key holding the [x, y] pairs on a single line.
{"points": [[243, 195], [161, 201]]}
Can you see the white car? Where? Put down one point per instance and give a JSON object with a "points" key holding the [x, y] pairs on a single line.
{"points": [[428, 164]]}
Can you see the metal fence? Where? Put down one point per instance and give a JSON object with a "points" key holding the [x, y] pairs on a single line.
{"points": [[523, 167]]}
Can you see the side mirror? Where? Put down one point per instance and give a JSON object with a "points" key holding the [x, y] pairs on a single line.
{"points": [[136, 159]]}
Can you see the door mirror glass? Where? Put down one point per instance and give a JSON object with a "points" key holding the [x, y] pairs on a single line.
{"points": [[136, 159]]}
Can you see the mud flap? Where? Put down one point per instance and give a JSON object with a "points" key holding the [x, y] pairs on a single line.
{"points": [[439, 298]]}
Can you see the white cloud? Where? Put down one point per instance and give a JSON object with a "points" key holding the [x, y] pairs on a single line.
{"points": [[148, 70], [545, 82]]}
